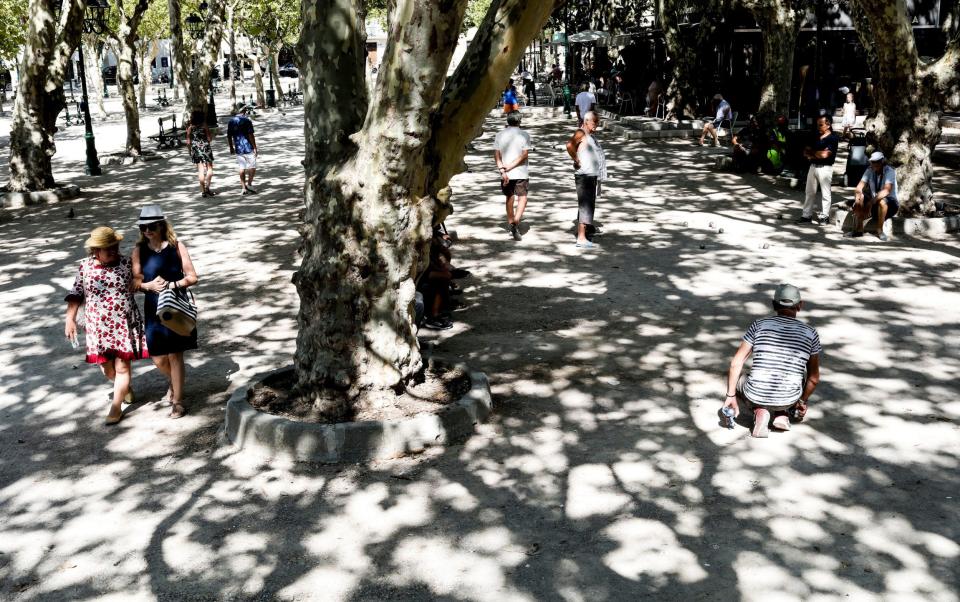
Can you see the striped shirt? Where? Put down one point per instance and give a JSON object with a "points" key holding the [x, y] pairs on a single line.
{"points": [[782, 346]]}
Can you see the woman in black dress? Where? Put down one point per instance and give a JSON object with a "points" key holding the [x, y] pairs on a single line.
{"points": [[161, 261], [201, 153]]}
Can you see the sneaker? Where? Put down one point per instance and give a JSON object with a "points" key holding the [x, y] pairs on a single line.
{"points": [[515, 232], [585, 244], [245, 192], [803, 220], [820, 220], [852, 234], [781, 423], [211, 193], [883, 237], [438, 323], [761, 420], [251, 190], [204, 194]]}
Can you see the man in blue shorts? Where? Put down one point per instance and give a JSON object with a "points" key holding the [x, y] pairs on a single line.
{"points": [[876, 195], [785, 370], [244, 144]]}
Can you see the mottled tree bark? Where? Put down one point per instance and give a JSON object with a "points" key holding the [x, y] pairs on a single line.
{"points": [[272, 53], [371, 177], [779, 23], [910, 96], [126, 40], [93, 67], [258, 78], [368, 211], [196, 81], [686, 45], [147, 50], [40, 99], [232, 41]]}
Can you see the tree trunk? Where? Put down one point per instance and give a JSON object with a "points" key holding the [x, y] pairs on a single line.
{"points": [[196, 81], [274, 70], [258, 81], [148, 52], [368, 212], [47, 50], [92, 62], [233, 54], [779, 21], [909, 99], [126, 40], [692, 75]]}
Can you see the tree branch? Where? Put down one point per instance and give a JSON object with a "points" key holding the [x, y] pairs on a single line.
{"points": [[472, 90]]}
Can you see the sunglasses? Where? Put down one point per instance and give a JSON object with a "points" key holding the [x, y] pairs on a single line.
{"points": [[150, 227], [109, 250]]}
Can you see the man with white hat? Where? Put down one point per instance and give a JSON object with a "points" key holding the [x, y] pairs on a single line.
{"points": [[785, 369], [876, 195]]}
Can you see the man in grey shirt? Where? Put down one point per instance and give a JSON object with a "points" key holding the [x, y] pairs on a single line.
{"points": [[876, 195]]}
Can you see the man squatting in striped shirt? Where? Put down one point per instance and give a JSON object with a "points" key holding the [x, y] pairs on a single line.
{"points": [[785, 369]]}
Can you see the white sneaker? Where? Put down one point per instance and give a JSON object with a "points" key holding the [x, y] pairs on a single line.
{"points": [[781, 423]]}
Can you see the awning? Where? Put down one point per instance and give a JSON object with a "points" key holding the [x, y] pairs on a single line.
{"points": [[588, 35]]}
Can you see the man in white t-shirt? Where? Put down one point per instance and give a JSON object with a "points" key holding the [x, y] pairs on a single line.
{"points": [[876, 195], [511, 149], [586, 101]]}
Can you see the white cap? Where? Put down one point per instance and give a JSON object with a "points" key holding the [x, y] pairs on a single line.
{"points": [[877, 157]]}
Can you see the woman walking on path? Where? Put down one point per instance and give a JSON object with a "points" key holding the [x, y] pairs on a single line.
{"points": [[113, 325], [161, 261], [201, 153]]}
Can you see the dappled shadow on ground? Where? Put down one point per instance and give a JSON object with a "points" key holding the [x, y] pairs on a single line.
{"points": [[604, 476]]}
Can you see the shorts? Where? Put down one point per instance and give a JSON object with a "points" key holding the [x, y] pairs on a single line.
{"points": [[893, 205], [247, 161], [510, 108], [514, 187], [748, 406]]}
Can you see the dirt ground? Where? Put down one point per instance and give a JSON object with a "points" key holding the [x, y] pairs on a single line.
{"points": [[604, 475]]}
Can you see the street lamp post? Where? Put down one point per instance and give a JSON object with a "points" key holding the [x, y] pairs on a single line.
{"points": [[197, 28], [94, 21]]}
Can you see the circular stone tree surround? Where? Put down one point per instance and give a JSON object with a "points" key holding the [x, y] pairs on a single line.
{"points": [[279, 437]]}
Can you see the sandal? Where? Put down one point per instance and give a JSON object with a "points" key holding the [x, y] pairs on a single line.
{"points": [[129, 397], [177, 411], [111, 420]]}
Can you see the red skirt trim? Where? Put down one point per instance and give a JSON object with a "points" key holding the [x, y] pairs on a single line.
{"points": [[94, 358]]}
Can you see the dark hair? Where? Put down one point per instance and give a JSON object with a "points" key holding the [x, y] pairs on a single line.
{"points": [[513, 118], [197, 118]]}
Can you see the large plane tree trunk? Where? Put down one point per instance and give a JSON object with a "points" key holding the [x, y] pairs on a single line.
{"points": [[689, 27], [272, 53], [909, 97], [126, 41], [196, 80], [234, 63], [779, 23], [368, 189], [40, 98], [258, 78], [93, 67], [147, 50]]}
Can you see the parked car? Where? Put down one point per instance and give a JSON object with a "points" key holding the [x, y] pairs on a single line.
{"points": [[289, 70]]}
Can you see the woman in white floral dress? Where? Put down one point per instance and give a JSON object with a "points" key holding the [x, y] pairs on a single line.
{"points": [[113, 324]]}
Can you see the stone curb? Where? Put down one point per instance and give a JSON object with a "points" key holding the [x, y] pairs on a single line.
{"points": [[923, 227], [19, 200], [277, 437]]}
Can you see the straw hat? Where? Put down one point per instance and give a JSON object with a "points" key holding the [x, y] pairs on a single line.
{"points": [[102, 238]]}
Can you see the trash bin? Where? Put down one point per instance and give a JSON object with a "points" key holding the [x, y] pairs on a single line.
{"points": [[272, 99], [856, 162]]}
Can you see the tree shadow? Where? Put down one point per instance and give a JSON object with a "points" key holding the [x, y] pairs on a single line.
{"points": [[603, 475]]}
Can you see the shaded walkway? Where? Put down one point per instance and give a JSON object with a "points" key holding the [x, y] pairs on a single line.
{"points": [[604, 476]]}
